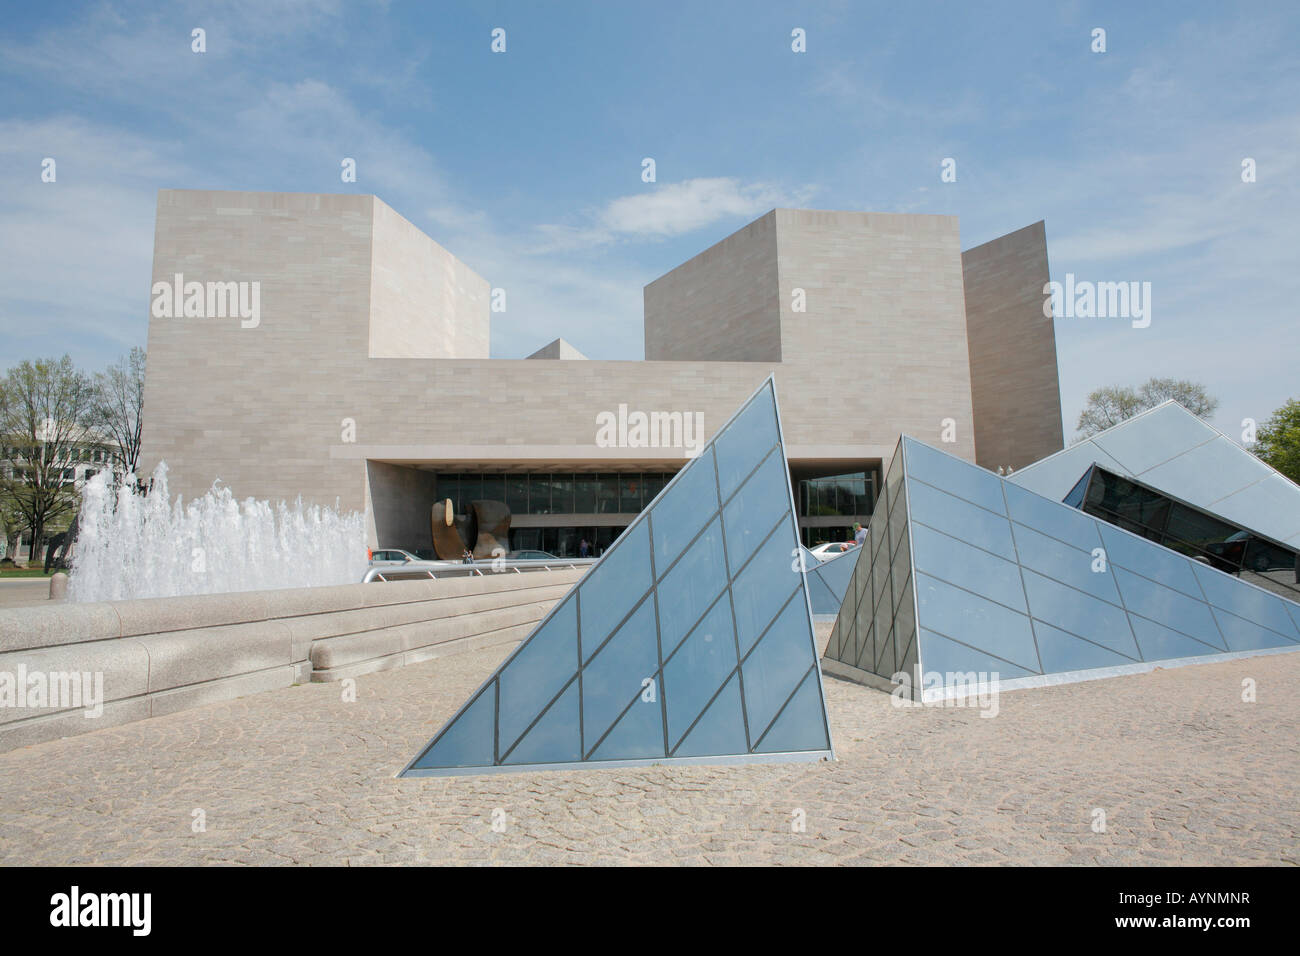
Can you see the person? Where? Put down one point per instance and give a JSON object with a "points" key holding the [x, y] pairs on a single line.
{"points": [[859, 533], [584, 549], [467, 557]]}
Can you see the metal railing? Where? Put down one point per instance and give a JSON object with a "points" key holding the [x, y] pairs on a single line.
{"points": [[433, 570]]}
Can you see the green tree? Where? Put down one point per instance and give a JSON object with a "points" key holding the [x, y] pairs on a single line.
{"points": [[1277, 441], [1112, 404], [44, 413]]}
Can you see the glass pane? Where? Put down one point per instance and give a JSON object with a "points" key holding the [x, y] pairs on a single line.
{"points": [[764, 586], [554, 738], [1245, 601], [1070, 565], [942, 656], [1149, 560], [684, 510], [690, 587], [494, 488], [1155, 437], [613, 677], [1259, 507], [695, 672], [1168, 607], [954, 476], [800, 726], [967, 566], [758, 504], [1244, 635], [537, 671], [1079, 613], [539, 494], [745, 442], [1159, 643], [586, 488], [961, 519], [561, 494], [1127, 504], [517, 494], [897, 517], [1053, 477], [1048, 517], [611, 589], [774, 668], [1065, 652], [1203, 474], [629, 493], [469, 741], [1075, 498], [640, 734], [721, 730], [975, 621]]}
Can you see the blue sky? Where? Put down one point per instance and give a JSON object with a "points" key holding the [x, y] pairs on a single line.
{"points": [[527, 164]]}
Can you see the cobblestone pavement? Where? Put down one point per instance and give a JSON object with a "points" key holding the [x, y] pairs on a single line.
{"points": [[1185, 771]]}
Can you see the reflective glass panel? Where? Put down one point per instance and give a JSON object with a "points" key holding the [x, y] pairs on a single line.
{"points": [[753, 510], [611, 588], [1245, 601], [745, 442], [468, 742], [1058, 560], [776, 665], [1048, 517], [690, 587], [1149, 560], [1168, 607], [967, 566], [1079, 613], [942, 656], [961, 519], [975, 621], [1065, 652], [554, 738], [1154, 437], [954, 476], [721, 730], [698, 668], [800, 725], [613, 677], [684, 510], [537, 671], [764, 586]]}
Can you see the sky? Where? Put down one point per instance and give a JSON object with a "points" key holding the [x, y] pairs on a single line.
{"points": [[527, 164]]}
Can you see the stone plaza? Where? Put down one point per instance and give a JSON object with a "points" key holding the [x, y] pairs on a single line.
{"points": [[1168, 767]]}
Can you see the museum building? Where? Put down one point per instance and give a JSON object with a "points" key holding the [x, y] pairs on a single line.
{"points": [[323, 346]]}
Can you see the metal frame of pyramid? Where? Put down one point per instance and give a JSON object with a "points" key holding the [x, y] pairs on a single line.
{"points": [[966, 572], [764, 671]]}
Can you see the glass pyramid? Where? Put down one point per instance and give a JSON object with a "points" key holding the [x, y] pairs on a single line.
{"points": [[690, 639], [966, 573], [1171, 450], [828, 580]]}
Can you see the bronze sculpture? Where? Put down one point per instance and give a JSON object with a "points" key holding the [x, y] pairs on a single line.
{"points": [[484, 530]]}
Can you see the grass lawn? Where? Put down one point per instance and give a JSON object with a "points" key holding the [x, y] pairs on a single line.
{"points": [[8, 573]]}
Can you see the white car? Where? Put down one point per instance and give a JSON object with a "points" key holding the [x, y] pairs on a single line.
{"points": [[391, 558], [824, 552]]}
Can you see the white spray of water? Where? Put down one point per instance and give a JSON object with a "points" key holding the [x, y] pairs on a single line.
{"points": [[135, 546]]}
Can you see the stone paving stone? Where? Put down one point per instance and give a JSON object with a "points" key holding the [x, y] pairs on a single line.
{"points": [[1185, 771]]}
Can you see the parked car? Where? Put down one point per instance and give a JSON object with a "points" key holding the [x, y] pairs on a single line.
{"points": [[390, 558], [824, 552]]}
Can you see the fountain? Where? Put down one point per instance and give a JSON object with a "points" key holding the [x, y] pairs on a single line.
{"points": [[133, 545]]}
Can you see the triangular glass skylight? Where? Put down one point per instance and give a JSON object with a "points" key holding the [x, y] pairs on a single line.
{"points": [[966, 573], [690, 640], [828, 580]]}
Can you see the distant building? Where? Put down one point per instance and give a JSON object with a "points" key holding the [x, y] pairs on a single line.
{"points": [[323, 346]]}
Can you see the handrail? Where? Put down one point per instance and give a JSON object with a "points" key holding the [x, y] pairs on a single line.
{"points": [[448, 569]]}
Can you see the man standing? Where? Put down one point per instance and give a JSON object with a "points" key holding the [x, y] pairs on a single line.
{"points": [[859, 534]]}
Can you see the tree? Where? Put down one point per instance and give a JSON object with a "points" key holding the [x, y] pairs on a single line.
{"points": [[44, 412], [117, 407], [1277, 441], [1112, 404]]}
